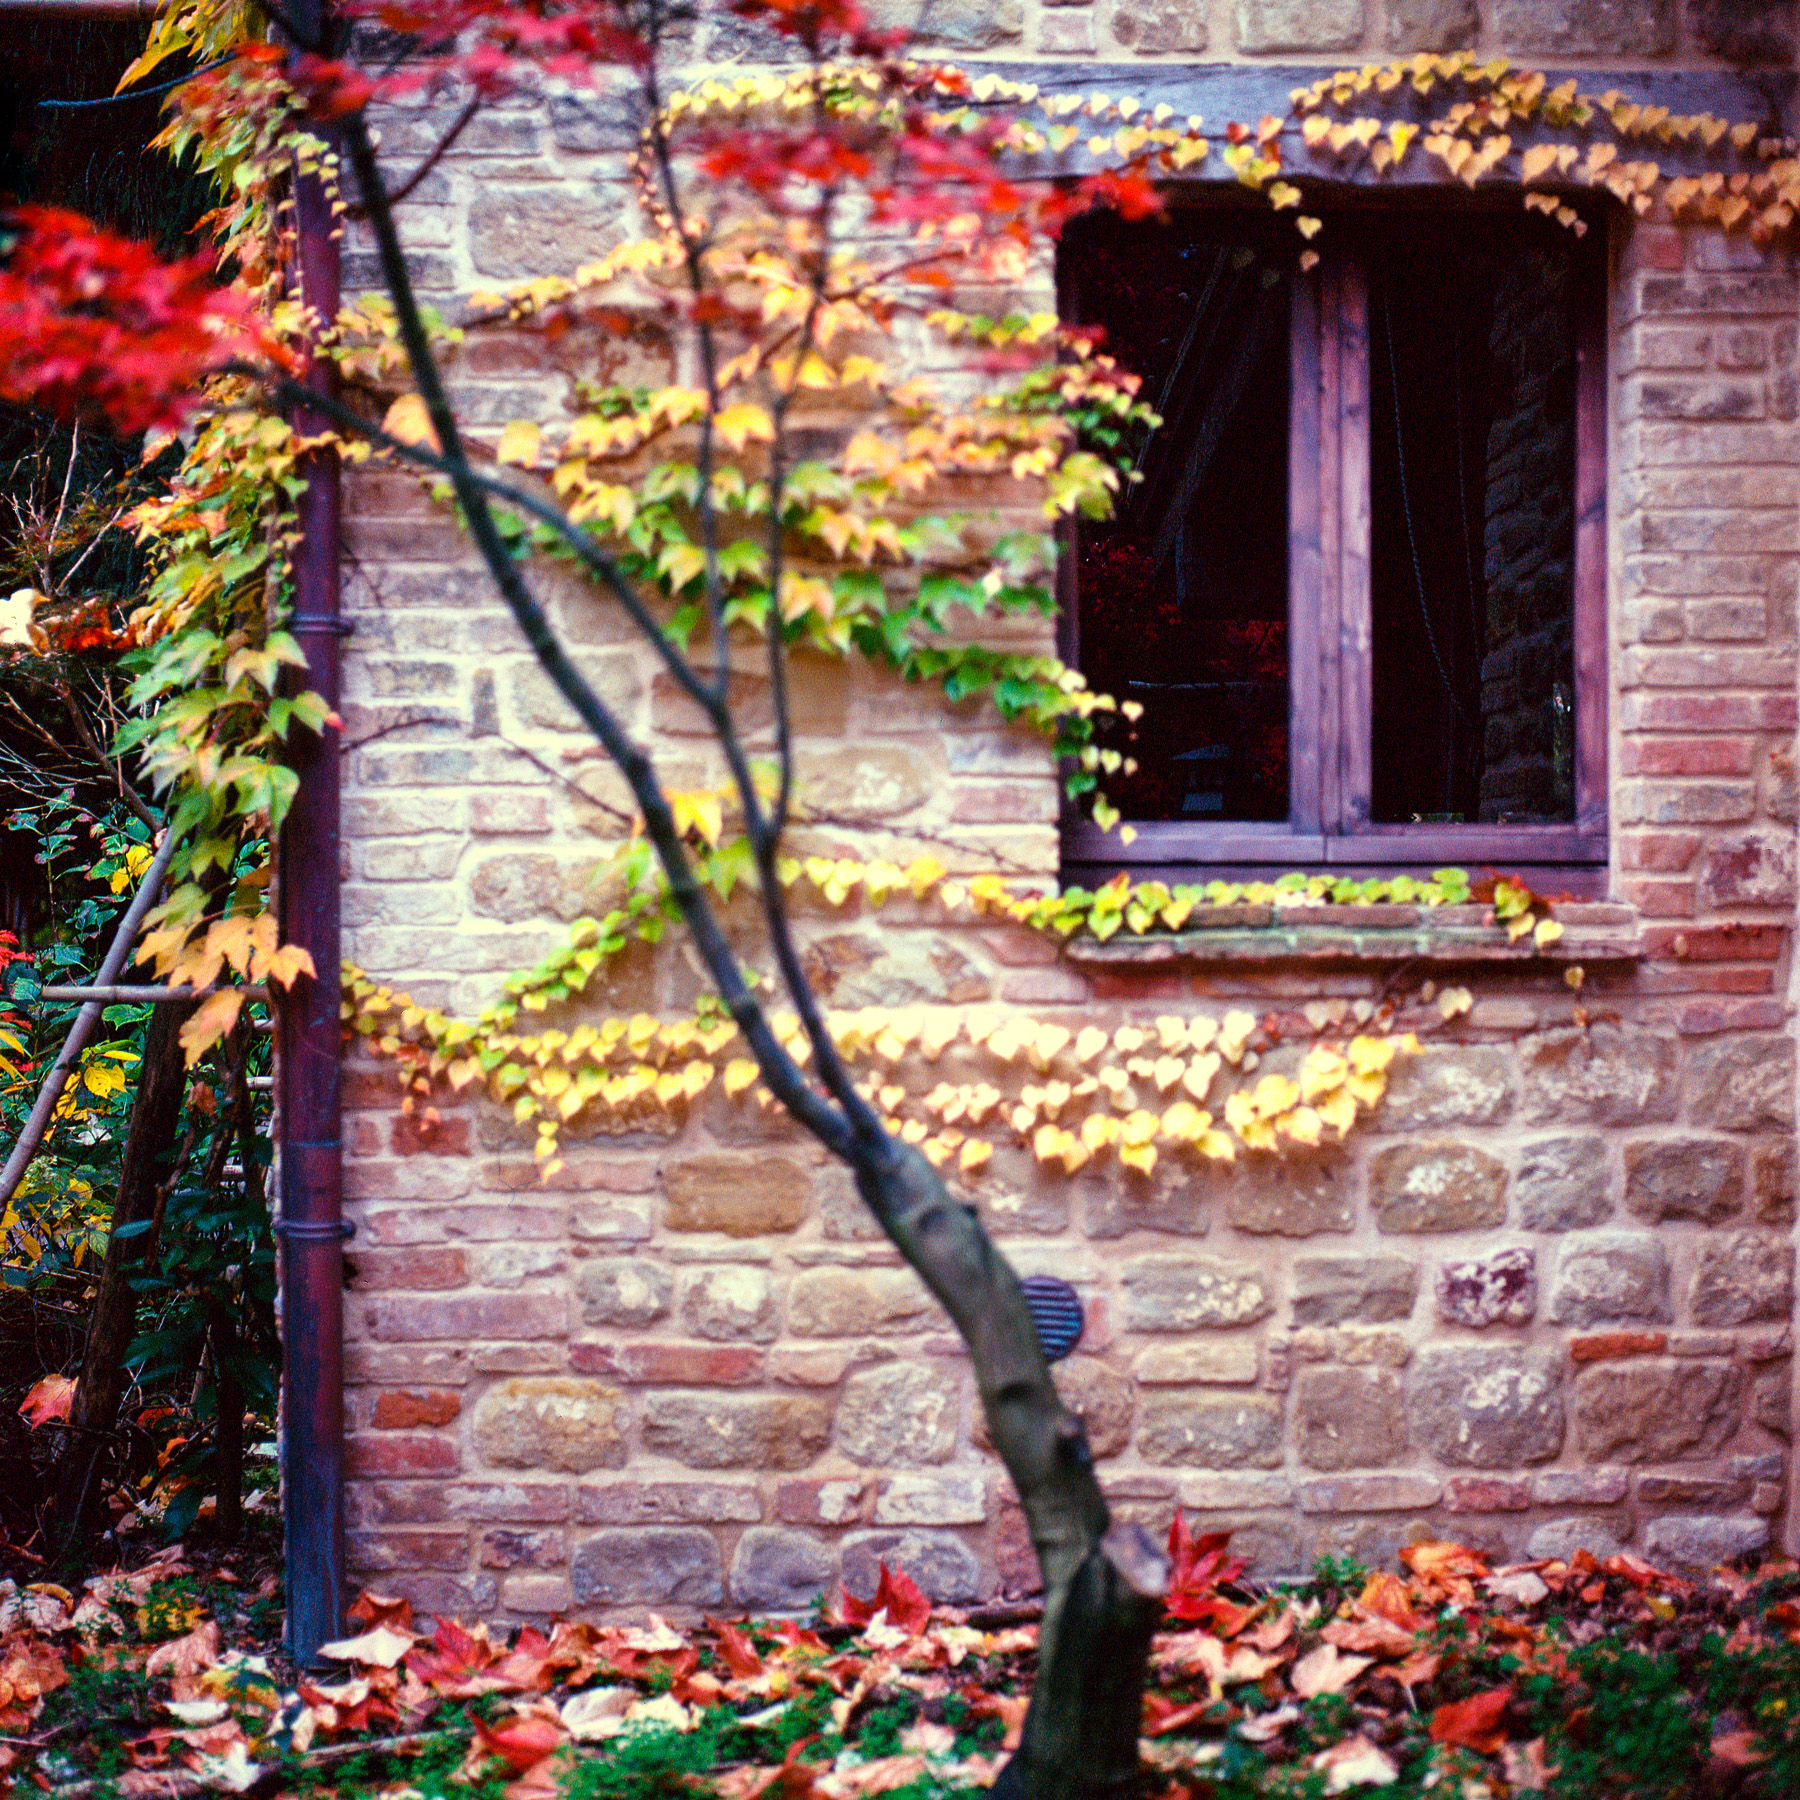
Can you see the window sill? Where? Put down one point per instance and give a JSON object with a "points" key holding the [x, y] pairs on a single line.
{"points": [[1593, 932]]}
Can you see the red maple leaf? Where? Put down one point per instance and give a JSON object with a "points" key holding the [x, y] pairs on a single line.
{"points": [[897, 1594]]}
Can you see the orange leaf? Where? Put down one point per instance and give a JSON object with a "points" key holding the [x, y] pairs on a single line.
{"points": [[51, 1398], [1474, 1723], [523, 1740], [736, 1651], [898, 1594]]}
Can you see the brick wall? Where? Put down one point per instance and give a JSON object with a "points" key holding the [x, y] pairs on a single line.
{"points": [[1545, 1300]]}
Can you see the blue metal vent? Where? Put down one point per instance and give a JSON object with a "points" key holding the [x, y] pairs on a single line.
{"points": [[1056, 1312]]}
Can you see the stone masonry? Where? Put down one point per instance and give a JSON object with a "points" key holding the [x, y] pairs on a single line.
{"points": [[1544, 1300]]}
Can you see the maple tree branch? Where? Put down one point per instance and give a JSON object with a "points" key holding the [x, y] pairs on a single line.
{"points": [[442, 148]]}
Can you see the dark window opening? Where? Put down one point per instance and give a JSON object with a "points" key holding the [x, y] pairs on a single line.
{"points": [[1358, 583], [1184, 596], [1471, 476]]}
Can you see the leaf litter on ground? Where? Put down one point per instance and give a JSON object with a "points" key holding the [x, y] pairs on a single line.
{"points": [[1448, 1676]]}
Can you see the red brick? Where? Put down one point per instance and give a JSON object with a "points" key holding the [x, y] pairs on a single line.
{"points": [[1017, 947], [1704, 1016], [411, 1318], [420, 1453], [815, 1502], [505, 1502], [1716, 943], [1044, 987], [1608, 1346], [1121, 984], [1659, 247], [373, 1551], [416, 1135], [405, 1410], [1476, 1493], [1672, 978], [424, 1267], [1662, 899], [1686, 755], [1660, 852], [506, 1549], [691, 1365], [1708, 712]]}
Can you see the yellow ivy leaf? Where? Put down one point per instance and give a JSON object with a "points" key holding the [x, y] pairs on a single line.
{"points": [[1200, 1072], [1339, 1109], [409, 422], [1216, 1146], [738, 424], [1547, 932], [739, 1073], [1141, 1157], [519, 443], [1538, 160], [211, 1020], [975, 1154], [1302, 1125], [1370, 1055], [1453, 1001]]}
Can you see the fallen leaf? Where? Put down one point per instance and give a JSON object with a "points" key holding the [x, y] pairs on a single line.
{"points": [[383, 1647], [1326, 1670], [897, 1595], [1524, 1766], [1474, 1723], [48, 1399], [1525, 1586], [597, 1713], [1264, 1728], [188, 1655], [524, 1739], [1355, 1763], [736, 1651]]}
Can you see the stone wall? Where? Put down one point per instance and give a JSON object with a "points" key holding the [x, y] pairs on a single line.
{"points": [[1545, 1299]]}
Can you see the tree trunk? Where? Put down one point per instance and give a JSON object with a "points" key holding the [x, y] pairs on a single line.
{"points": [[1103, 1583], [155, 1114]]}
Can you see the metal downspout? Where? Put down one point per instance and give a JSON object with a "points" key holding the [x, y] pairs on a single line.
{"points": [[311, 1225]]}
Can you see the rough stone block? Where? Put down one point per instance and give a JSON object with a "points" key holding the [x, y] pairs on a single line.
{"points": [[1484, 1408], [1210, 1431], [1369, 1493], [1751, 868], [1171, 1201], [628, 1294], [850, 1302], [1741, 1277], [1186, 1293], [1653, 1410], [1579, 1487], [1100, 1397], [1351, 1347], [944, 1566], [776, 1569], [505, 1548], [732, 1303], [1602, 1276], [1603, 1075], [1684, 1178], [1160, 27], [551, 1422], [743, 1196], [1744, 1082], [1772, 1401], [1432, 24], [1328, 1290], [660, 1566], [1557, 1540], [1265, 25], [1715, 1492], [901, 1413], [1702, 1541], [668, 1503], [737, 1431], [1486, 1494], [1230, 1361], [1499, 1287], [1290, 1196], [951, 24], [1349, 1418], [1586, 27], [1563, 1183], [1772, 1182], [931, 1500], [1470, 1084], [1746, 31], [509, 228], [1436, 1186]]}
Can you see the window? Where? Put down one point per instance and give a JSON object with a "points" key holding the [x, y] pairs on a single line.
{"points": [[1358, 587]]}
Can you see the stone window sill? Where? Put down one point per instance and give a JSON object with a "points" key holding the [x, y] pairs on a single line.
{"points": [[1593, 932]]}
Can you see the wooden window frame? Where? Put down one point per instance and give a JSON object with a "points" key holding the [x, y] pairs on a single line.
{"points": [[1330, 649]]}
